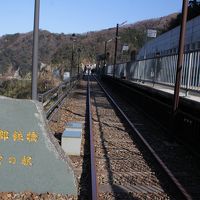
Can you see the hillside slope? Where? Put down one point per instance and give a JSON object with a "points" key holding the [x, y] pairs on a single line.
{"points": [[56, 49]]}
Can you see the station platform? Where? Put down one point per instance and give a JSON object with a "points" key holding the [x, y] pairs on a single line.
{"points": [[190, 95]]}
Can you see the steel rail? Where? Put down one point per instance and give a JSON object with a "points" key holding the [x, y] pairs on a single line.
{"points": [[178, 185], [92, 150]]}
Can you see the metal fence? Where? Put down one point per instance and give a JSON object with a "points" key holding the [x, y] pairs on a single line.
{"points": [[53, 97], [162, 70]]}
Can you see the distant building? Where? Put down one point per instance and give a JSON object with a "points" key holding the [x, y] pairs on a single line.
{"points": [[66, 76]]}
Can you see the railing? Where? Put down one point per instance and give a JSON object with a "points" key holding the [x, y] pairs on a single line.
{"points": [[162, 70], [53, 97]]}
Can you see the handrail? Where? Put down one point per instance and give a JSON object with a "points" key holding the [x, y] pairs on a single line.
{"points": [[52, 98]]}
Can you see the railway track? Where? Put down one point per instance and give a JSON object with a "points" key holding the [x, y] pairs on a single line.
{"points": [[124, 168], [182, 162]]}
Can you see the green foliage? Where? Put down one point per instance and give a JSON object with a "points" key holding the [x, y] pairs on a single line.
{"points": [[134, 37], [193, 11], [20, 89], [62, 55]]}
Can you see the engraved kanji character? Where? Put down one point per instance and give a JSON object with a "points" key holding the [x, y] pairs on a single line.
{"points": [[4, 135], [18, 136], [26, 161], [1, 158], [12, 160], [32, 136]]}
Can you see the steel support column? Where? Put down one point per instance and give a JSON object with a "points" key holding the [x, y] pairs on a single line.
{"points": [[180, 57], [35, 50], [105, 49], [115, 55]]}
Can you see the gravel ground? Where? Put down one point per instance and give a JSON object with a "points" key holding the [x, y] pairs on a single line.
{"points": [[181, 162], [74, 110], [34, 196]]}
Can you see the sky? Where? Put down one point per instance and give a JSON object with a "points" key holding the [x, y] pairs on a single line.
{"points": [[80, 16]]}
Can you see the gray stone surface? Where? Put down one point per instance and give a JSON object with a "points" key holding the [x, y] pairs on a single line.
{"points": [[72, 133], [45, 167], [74, 125]]}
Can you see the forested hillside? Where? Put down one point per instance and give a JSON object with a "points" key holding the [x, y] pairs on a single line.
{"points": [[55, 50]]}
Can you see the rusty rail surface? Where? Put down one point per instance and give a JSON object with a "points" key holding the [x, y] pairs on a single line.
{"points": [[92, 150]]}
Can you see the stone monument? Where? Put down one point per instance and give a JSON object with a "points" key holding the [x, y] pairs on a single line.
{"points": [[30, 157]]}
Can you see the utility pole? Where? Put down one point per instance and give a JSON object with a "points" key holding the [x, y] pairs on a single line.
{"points": [[79, 52], [105, 49], [73, 38], [115, 55], [180, 57], [116, 40], [35, 50]]}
